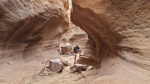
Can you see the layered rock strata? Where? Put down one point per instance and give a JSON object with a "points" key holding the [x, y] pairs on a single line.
{"points": [[116, 28], [28, 27]]}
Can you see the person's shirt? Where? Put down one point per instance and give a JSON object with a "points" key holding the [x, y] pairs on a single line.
{"points": [[75, 49]]}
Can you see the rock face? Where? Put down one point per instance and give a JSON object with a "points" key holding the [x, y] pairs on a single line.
{"points": [[115, 28], [31, 26], [30, 31], [118, 29], [75, 36], [33, 29]]}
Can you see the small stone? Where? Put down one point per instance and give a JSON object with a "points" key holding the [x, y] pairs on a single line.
{"points": [[90, 67], [83, 76], [77, 68]]}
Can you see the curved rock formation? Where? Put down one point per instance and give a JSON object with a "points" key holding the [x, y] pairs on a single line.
{"points": [[115, 28], [29, 35], [118, 33], [120, 30], [31, 26]]}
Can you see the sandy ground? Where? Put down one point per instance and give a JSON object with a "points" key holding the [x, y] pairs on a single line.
{"points": [[19, 72], [112, 71], [65, 77]]}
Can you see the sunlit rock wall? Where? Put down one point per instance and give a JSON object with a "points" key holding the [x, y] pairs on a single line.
{"points": [[116, 28], [31, 28]]}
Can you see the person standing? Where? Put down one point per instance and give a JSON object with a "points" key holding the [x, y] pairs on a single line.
{"points": [[76, 50]]}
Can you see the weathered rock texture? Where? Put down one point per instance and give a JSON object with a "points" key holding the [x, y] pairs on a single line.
{"points": [[65, 49], [75, 36], [77, 68], [55, 65], [31, 26], [29, 30], [116, 27]]}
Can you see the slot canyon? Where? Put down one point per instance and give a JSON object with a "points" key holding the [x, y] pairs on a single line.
{"points": [[113, 35]]}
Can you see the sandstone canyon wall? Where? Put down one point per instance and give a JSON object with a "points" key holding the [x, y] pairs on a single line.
{"points": [[75, 36], [116, 28], [118, 33], [28, 27], [30, 31]]}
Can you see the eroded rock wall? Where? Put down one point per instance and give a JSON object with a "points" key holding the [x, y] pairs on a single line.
{"points": [[28, 27], [75, 36], [116, 28]]}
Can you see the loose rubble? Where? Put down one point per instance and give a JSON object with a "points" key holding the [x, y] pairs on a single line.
{"points": [[77, 68]]}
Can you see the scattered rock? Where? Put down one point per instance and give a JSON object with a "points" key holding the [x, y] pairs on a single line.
{"points": [[55, 65], [45, 72], [9, 63], [83, 76], [77, 68], [89, 68], [65, 49]]}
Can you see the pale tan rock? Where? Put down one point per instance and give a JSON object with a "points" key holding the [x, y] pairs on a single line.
{"points": [[30, 27], [89, 68], [114, 26], [75, 36], [65, 49], [77, 68], [118, 32], [55, 65], [29, 35]]}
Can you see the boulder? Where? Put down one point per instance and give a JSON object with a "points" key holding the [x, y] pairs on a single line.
{"points": [[55, 65], [65, 49], [77, 68]]}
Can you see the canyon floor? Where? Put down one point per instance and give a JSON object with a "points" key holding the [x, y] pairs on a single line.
{"points": [[113, 71], [112, 34], [19, 72], [65, 77]]}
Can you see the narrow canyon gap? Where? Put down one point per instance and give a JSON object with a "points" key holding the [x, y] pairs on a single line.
{"points": [[115, 36]]}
